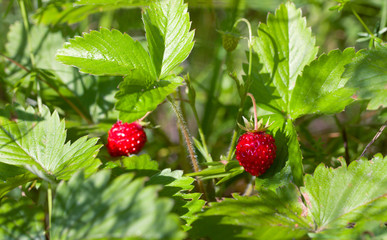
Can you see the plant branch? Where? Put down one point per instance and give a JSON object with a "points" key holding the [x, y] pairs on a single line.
{"points": [[377, 135]]}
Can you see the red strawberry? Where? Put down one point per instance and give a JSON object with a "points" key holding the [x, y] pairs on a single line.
{"points": [[125, 139], [256, 150]]}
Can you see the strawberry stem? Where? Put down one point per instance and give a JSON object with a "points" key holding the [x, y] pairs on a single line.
{"points": [[255, 111], [246, 87], [142, 119]]}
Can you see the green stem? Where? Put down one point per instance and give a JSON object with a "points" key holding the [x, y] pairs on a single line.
{"points": [[255, 111], [246, 87], [31, 51], [27, 28], [49, 200], [200, 130], [362, 23]]}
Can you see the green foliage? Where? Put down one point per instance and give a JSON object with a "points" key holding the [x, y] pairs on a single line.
{"points": [[147, 79], [269, 215], [284, 46], [353, 194], [37, 142], [61, 185], [168, 34], [107, 53], [330, 201], [121, 208], [136, 98], [368, 76], [120, 2], [21, 219], [177, 187], [320, 88]]}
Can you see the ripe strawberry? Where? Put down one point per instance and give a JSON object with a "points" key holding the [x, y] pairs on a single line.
{"points": [[256, 150], [125, 139]]}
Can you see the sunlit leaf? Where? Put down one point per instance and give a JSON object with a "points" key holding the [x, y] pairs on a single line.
{"points": [[37, 141], [320, 89], [107, 53], [284, 46], [135, 98], [267, 216], [368, 76], [168, 34], [178, 187]]}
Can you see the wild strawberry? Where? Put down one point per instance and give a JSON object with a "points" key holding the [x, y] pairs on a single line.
{"points": [[125, 139], [230, 40], [256, 150]]}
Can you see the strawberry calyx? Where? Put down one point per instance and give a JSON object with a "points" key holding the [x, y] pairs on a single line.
{"points": [[256, 126], [250, 127]]}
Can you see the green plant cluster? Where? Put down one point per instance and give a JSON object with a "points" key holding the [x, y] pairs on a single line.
{"points": [[70, 69]]}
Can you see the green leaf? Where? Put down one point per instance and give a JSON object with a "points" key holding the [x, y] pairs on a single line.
{"points": [[65, 12], [320, 89], [337, 197], [141, 165], [368, 76], [279, 179], [37, 141], [284, 46], [267, 216], [288, 153], [115, 2], [21, 219], [168, 34], [12, 177], [178, 187], [135, 98], [261, 87], [107, 53], [61, 85], [119, 209]]}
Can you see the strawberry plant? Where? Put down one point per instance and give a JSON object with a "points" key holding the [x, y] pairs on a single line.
{"points": [[123, 119]]}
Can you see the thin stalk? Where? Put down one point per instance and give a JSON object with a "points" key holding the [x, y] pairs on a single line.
{"points": [[27, 29], [345, 139], [364, 25], [49, 202], [250, 187], [186, 134], [200, 130], [377, 135], [255, 111], [188, 141], [246, 87], [32, 57]]}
